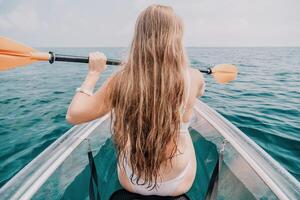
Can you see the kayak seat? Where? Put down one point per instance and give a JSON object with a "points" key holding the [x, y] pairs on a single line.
{"points": [[123, 194]]}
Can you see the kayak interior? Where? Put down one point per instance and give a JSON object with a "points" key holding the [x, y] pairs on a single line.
{"points": [[62, 169]]}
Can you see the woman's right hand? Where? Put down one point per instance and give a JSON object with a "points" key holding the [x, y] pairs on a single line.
{"points": [[97, 62]]}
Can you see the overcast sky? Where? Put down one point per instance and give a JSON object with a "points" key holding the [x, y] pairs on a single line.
{"points": [[110, 23]]}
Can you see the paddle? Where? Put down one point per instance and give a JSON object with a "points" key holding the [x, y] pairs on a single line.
{"points": [[14, 54]]}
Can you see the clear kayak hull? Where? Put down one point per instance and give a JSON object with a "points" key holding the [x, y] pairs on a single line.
{"points": [[62, 171]]}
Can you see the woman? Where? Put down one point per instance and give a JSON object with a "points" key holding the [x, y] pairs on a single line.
{"points": [[151, 98]]}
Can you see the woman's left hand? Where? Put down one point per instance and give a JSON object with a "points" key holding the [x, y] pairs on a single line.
{"points": [[97, 62]]}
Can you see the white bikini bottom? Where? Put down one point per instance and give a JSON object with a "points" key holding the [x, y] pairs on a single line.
{"points": [[165, 188]]}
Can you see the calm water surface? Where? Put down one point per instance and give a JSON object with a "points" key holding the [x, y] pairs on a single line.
{"points": [[264, 102]]}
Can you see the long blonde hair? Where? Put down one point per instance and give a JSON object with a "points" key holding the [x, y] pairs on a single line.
{"points": [[146, 94]]}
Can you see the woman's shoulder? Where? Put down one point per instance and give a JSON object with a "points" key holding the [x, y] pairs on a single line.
{"points": [[197, 80]]}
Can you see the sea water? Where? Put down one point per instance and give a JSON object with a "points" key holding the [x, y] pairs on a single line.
{"points": [[264, 101]]}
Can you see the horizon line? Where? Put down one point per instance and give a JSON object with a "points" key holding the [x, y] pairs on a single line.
{"points": [[185, 47]]}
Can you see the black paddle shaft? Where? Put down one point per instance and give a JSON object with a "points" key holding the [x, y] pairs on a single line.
{"points": [[84, 59], [78, 59]]}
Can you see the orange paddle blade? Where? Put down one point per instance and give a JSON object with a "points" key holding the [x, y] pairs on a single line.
{"points": [[224, 73], [8, 62], [13, 54], [13, 46]]}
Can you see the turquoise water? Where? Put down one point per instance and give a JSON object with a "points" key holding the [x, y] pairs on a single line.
{"points": [[264, 102]]}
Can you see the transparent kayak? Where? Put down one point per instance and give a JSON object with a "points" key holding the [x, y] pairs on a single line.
{"points": [[61, 171]]}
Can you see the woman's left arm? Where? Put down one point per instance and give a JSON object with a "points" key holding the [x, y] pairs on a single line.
{"points": [[85, 105]]}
